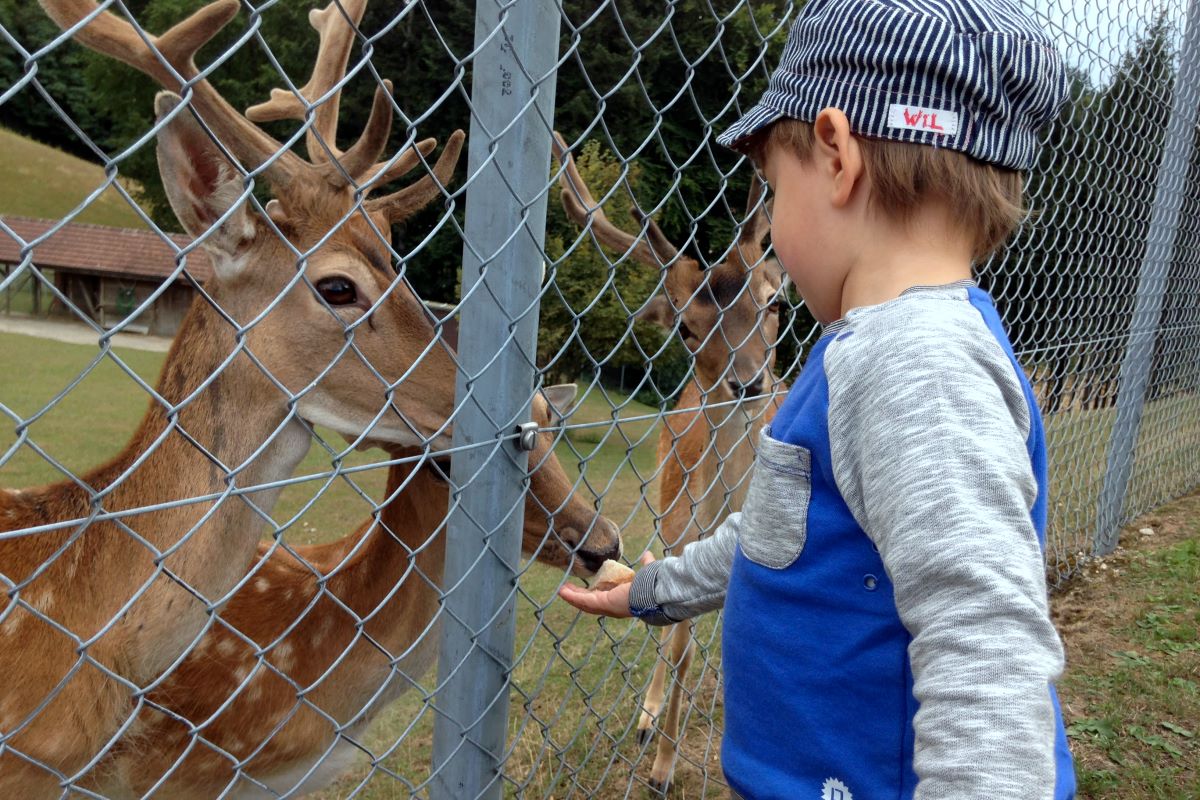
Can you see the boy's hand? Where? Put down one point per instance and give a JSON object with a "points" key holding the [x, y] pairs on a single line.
{"points": [[610, 603]]}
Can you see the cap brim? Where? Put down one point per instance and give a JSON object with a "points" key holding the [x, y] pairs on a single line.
{"points": [[754, 120]]}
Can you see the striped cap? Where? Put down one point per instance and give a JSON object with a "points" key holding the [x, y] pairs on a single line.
{"points": [[976, 76]]}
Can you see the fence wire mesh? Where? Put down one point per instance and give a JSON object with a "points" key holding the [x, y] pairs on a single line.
{"points": [[229, 570]]}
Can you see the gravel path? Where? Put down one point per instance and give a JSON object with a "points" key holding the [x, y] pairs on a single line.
{"points": [[78, 333]]}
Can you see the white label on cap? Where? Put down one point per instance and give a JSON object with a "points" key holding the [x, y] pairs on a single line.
{"points": [[918, 118]]}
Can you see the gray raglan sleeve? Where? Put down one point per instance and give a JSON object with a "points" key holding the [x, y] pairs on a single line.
{"points": [[694, 582], [928, 426]]}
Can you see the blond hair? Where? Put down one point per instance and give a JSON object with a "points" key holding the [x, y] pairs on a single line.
{"points": [[988, 199]]}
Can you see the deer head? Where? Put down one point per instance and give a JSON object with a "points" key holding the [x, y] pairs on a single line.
{"points": [[727, 315], [581, 539], [560, 529], [307, 282]]}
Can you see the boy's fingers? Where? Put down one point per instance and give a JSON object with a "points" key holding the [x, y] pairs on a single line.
{"points": [[580, 598], [593, 602]]}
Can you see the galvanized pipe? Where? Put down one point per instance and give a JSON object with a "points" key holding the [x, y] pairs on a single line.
{"points": [[512, 102]]}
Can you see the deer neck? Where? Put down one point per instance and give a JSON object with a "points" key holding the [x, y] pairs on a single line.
{"points": [[733, 436], [207, 442], [405, 548], [390, 574], [211, 442]]}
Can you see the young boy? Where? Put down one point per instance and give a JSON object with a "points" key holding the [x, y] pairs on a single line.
{"points": [[887, 632]]}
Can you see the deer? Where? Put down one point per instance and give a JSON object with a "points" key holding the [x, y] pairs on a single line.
{"points": [[728, 318], [110, 577], [319, 640]]}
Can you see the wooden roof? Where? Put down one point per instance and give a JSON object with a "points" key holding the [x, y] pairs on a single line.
{"points": [[97, 249]]}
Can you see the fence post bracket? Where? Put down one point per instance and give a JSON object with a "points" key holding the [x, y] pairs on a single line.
{"points": [[527, 433]]}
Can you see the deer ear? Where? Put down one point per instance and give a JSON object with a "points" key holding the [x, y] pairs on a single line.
{"points": [[560, 397], [659, 311], [773, 270], [202, 186]]}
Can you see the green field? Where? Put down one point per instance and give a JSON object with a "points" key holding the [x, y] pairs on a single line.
{"points": [[53, 183], [1131, 695]]}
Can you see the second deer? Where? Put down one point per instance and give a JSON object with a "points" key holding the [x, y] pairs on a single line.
{"points": [[728, 318], [317, 643]]}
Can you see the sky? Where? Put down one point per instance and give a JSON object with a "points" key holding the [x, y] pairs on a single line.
{"points": [[1095, 33]]}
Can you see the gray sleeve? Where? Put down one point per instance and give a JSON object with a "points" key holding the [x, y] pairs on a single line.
{"points": [[928, 426], [680, 587]]}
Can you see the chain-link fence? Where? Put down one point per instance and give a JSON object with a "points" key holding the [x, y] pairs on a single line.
{"points": [[358, 461]]}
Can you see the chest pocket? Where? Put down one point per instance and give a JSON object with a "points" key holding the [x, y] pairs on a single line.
{"points": [[775, 515]]}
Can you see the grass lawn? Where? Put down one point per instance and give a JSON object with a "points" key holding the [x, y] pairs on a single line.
{"points": [[53, 183], [1131, 694], [1130, 697], [1164, 467]]}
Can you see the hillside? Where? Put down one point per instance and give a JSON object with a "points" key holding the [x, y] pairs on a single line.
{"points": [[40, 181]]}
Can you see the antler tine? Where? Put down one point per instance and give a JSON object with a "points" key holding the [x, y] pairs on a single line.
{"points": [[337, 25], [117, 38], [665, 250], [359, 160], [757, 223], [384, 173], [401, 205], [582, 208]]}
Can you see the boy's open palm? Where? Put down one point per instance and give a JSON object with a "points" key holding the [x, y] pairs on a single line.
{"points": [[610, 603]]}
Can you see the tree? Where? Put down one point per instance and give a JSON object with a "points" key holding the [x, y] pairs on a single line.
{"points": [[591, 295], [1066, 284], [57, 73]]}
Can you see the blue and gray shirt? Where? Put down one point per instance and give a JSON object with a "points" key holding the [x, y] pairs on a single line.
{"points": [[887, 631]]}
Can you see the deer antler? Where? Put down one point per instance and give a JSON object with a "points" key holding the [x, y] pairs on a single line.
{"points": [[402, 204], [655, 250], [170, 60], [337, 25]]}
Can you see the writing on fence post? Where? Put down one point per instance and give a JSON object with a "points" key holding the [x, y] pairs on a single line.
{"points": [[512, 106], [1143, 328]]}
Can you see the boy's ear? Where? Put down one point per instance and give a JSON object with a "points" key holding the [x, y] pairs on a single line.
{"points": [[839, 153], [202, 185]]}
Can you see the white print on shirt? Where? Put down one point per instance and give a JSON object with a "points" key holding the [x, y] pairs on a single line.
{"points": [[833, 789], [919, 118]]}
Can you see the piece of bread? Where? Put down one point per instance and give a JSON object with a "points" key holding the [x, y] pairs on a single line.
{"points": [[611, 575]]}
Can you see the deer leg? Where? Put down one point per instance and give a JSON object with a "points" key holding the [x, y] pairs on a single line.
{"points": [[652, 704], [682, 649]]}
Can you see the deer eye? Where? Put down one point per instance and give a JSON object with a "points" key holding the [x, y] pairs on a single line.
{"points": [[773, 308], [337, 291]]}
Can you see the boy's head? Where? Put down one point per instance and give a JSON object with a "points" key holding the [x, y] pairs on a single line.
{"points": [[944, 100]]}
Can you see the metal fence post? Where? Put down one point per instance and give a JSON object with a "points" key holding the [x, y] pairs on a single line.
{"points": [[1160, 246], [512, 102]]}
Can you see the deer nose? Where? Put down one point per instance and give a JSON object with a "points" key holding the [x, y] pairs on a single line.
{"points": [[591, 557], [746, 390]]}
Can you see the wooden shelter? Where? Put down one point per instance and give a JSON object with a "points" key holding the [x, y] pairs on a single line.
{"points": [[104, 272]]}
